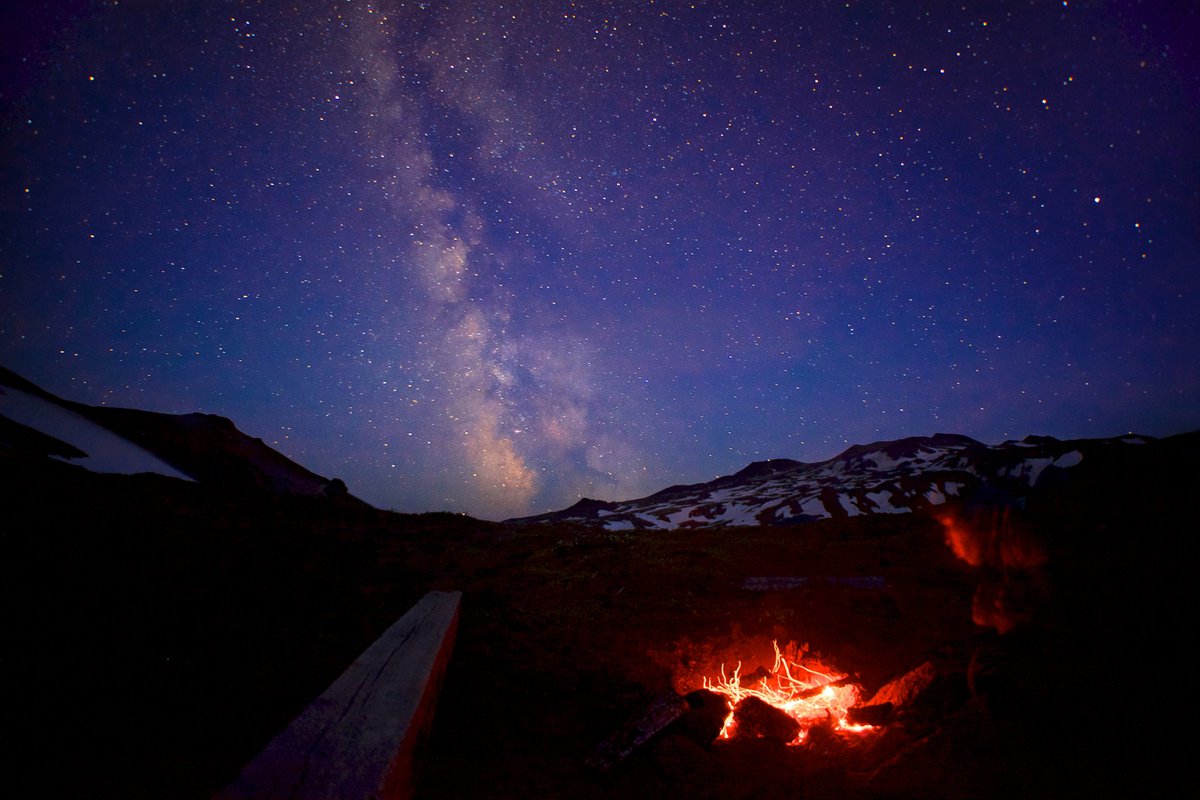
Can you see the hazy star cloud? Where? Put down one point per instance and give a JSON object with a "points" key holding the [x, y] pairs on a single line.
{"points": [[511, 441]]}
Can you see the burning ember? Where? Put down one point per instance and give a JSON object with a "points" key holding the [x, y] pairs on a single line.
{"points": [[788, 701]]}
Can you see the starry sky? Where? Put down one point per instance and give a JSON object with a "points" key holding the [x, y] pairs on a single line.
{"points": [[490, 257]]}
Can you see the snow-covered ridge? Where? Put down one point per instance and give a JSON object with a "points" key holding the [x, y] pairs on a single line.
{"points": [[897, 477], [205, 448], [101, 449]]}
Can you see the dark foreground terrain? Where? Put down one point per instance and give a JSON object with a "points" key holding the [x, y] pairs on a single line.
{"points": [[158, 634]]}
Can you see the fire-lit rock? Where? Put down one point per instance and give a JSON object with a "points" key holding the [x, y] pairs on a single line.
{"points": [[901, 691], [705, 718], [875, 715]]}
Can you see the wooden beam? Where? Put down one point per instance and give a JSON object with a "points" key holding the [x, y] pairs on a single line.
{"points": [[357, 740]]}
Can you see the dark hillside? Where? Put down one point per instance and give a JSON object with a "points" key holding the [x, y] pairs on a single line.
{"points": [[161, 630], [206, 447]]}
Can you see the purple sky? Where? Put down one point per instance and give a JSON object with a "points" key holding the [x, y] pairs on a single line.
{"points": [[490, 257]]}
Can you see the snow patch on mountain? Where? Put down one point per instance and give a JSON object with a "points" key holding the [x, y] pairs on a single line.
{"points": [[1030, 469], [105, 450], [813, 507], [1071, 459], [848, 505], [883, 503]]}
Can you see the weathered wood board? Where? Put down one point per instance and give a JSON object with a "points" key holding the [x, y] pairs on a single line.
{"points": [[357, 739]]}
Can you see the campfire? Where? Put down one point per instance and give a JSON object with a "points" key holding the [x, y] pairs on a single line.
{"points": [[795, 695], [782, 705]]}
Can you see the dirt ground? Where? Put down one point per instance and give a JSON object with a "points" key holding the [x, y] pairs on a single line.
{"points": [[163, 633]]}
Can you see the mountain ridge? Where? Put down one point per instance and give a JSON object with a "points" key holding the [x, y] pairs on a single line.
{"points": [[913, 474], [907, 475], [207, 448]]}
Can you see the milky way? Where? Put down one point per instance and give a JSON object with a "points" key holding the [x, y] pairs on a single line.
{"points": [[492, 257]]}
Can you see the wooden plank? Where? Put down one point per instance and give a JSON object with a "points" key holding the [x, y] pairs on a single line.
{"points": [[357, 740]]}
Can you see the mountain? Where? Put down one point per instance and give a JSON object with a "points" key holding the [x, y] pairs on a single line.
{"points": [[201, 447], [903, 476]]}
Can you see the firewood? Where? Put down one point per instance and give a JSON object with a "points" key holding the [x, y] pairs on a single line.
{"points": [[661, 712], [807, 693], [756, 719]]}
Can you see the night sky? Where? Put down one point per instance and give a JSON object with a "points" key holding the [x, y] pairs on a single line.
{"points": [[494, 256]]}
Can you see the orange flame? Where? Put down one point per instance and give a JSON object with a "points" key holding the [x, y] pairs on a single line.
{"points": [[811, 695]]}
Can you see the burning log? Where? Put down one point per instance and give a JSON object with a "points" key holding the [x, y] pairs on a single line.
{"points": [[816, 691], [758, 719], [662, 711]]}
